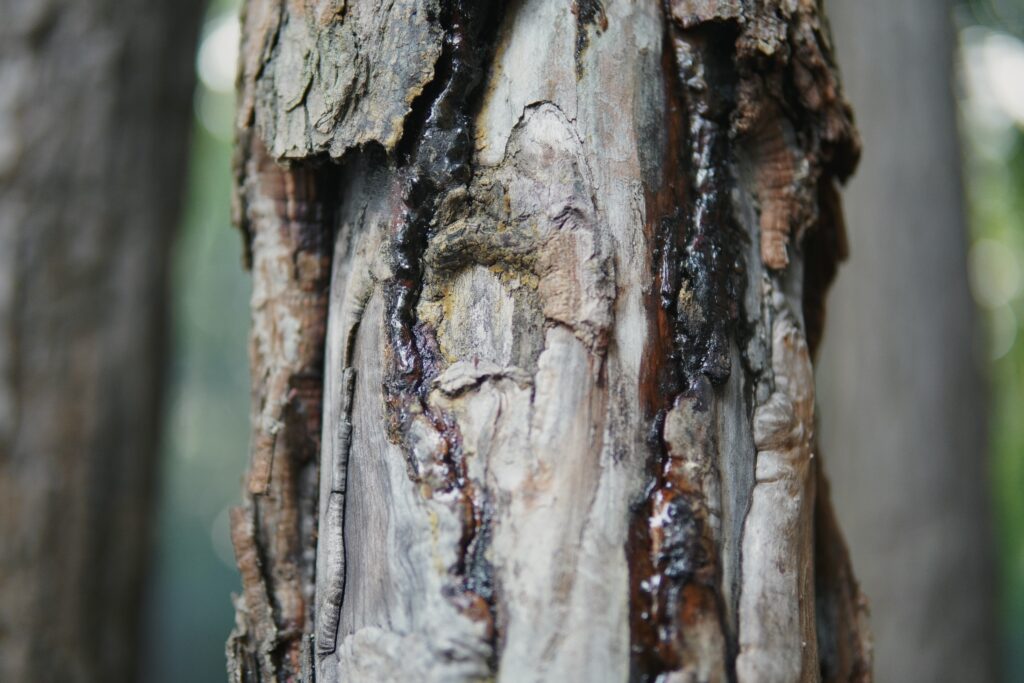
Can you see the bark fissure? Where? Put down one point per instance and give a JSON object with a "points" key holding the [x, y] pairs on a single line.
{"points": [[439, 163], [714, 42], [679, 622], [590, 15], [567, 407]]}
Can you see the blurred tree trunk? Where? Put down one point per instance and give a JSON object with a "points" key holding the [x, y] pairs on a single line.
{"points": [[94, 107], [536, 291], [904, 406]]}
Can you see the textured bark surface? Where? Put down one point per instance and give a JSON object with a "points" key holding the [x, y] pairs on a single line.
{"points": [[903, 408], [577, 255], [94, 107]]}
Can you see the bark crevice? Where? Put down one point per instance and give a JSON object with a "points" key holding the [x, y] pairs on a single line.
{"points": [[567, 401]]}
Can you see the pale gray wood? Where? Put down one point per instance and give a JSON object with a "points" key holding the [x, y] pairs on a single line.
{"points": [[528, 493]]}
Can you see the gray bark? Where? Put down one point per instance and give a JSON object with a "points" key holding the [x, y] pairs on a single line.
{"points": [[94, 106], [904, 407], [563, 255]]}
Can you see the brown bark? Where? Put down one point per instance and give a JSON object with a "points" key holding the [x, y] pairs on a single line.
{"points": [[94, 107], [560, 254]]}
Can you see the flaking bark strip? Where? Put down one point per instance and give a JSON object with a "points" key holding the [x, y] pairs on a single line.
{"points": [[791, 121], [795, 130], [260, 624], [332, 525], [785, 207], [289, 213], [332, 584], [343, 435]]}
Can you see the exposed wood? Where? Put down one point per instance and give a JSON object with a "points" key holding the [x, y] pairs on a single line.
{"points": [[567, 394], [95, 103]]}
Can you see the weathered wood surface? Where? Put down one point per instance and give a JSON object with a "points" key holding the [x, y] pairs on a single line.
{"points": [[578, 254], [95, 103], [903, 410]]}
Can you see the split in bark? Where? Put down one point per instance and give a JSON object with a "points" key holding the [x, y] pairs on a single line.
{"points": [[567, 393]]}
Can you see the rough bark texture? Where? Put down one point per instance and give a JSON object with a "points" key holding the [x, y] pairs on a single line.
{"points": [[903, 408], [94, 106], [577, 256]]}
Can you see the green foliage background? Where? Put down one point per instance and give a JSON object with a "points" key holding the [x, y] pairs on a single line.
{"points": [[994, 183]]}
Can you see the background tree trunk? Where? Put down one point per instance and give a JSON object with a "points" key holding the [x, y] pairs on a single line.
{"points": [[552, 275], [94, 105], [903, 408]]}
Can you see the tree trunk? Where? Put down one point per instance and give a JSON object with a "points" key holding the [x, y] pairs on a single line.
{"points": [[903, 408], [94, 106], [536, 291]]}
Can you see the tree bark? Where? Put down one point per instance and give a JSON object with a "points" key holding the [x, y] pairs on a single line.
{"points": [[904, 408], [94, 107], [536, 291]]}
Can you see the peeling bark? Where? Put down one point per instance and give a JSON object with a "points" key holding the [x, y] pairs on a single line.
{"points": [[288, 215], [567, 391]]}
